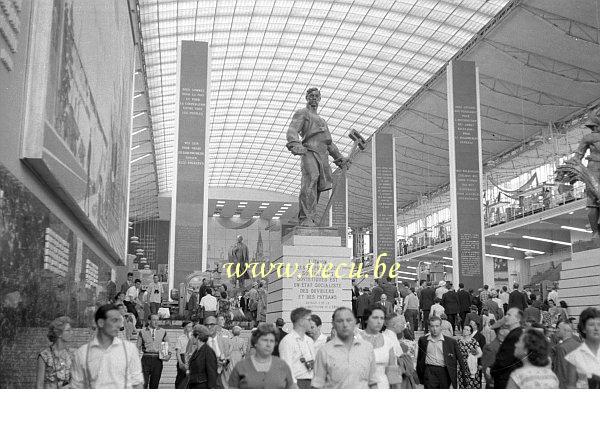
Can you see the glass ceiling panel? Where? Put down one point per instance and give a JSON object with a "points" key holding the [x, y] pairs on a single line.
{"points": [[367, 57]]}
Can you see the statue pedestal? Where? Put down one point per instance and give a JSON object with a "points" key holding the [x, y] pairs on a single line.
{"points": [[321, 247], [579, 284]]}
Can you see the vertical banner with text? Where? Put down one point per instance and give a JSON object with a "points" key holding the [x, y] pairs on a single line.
{"points": [[338, 213], [464, 138], [383, 162], [187, 246]]}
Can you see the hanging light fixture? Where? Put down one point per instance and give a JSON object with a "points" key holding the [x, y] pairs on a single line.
{"points": [[143, 261], [146, 267], [134, 240]]}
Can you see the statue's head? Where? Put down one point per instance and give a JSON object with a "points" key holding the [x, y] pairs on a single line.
{"points": [[240, 238], [313, 97]]}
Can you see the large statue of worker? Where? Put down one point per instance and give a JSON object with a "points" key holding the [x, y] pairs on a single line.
{"points": [[591, 141], [309, 137], [238, 254]]}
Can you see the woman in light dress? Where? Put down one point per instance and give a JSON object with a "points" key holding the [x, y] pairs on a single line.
{"points": [[385, 345]]}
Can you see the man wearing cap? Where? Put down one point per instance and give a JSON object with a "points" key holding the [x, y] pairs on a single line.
{"points": [[591, 142]]}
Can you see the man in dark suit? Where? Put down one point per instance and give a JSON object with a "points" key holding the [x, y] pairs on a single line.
{"points": [[388, 308], [506, 362], [438, 358], [464, 302], [426, 301], [517, 298], [363, 302], [279, 323], [451, 306]]}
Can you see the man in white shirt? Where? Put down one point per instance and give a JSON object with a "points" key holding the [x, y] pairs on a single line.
{"points": [[315, 332], [220, 345], [441, 289], [553, 295], [209, 304], [504, 295], [297, 349], [107, 362], [155, 294], [131, 300]]}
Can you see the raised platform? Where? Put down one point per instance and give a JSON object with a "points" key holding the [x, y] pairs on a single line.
{"points": [[321, 247], [579, 284]]}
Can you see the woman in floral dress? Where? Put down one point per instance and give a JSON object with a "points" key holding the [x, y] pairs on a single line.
{"points": [[54, 362], [469, 376]]}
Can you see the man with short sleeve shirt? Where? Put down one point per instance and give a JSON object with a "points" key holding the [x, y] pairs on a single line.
{"points": [[149, 343], [297, 349], [107, 362], [345, 362], [155, 294]]}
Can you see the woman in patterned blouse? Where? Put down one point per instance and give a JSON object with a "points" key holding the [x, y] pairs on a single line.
{"points": [[54, 362]]}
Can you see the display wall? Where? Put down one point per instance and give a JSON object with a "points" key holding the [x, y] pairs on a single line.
{"points": [[45, 269], [78, 110]]}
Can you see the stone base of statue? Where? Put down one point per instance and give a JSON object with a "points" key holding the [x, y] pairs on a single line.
{"points": [[579, 284], [321, 247]]}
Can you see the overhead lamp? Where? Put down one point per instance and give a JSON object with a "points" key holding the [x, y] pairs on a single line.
{"points": [[243, 203], [407, 273], [275, 218], [498, 256], [502, 246], [572, 228], [287, 204], [146, 267], [143, 260], [564, 243], [141, 130], [138, 114], [216, 214], [262, 207], [134, 240], [529, 250], [425, 262], [265, 203], [135, 160], [446, 257], [449, 266], [571, 213], [412, 268], [241, 206], [220, 201]]}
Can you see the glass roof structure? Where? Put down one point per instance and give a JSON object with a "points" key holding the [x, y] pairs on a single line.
{"points": [[368, 57]]}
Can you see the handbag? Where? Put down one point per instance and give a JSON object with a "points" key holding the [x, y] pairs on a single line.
{"points": [[394, 372]]}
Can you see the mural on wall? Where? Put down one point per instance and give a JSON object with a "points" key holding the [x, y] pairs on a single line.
{"points": [[87, 115], [45, 270], [261, 236], [501, 271]]}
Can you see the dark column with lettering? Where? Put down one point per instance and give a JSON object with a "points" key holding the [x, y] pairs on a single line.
{"points": [[187, 252], [338, 213], [384, 198], [464, 138]]}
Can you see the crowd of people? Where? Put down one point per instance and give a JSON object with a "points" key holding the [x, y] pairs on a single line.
{"points": [[411, 337]]}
